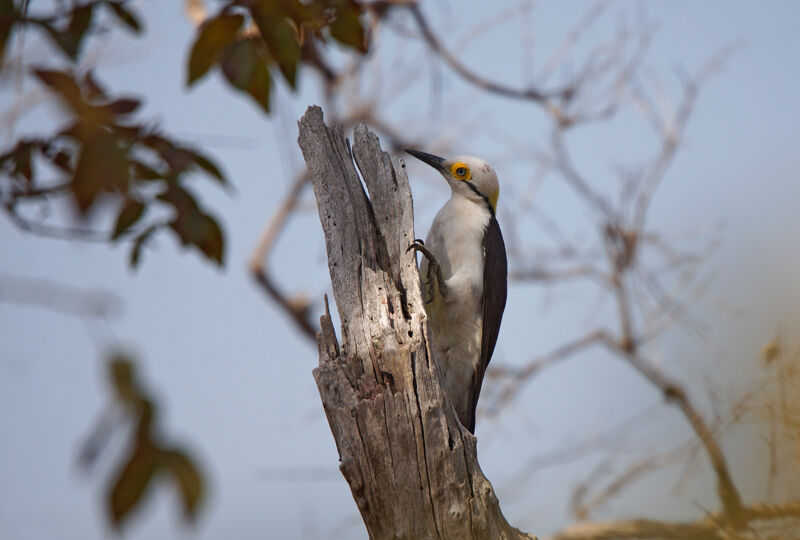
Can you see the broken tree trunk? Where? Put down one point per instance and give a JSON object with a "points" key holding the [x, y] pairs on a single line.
{"points": [[411, 467]]}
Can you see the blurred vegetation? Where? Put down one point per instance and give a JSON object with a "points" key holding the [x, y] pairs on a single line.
{"points": [[148, 457], [105, 157], [248, 40], [103, 153]]}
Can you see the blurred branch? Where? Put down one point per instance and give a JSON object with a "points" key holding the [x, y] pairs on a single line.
{"points": [[196, 11], [582, 508], [297, 306], [671, 133], [300, 474], [516, 377], [572, 38], [685, 452], [532, 94], [57, 297], [543, 274], [606, 438], [675, 393], [563, 162], [715, 527], [622, 243], [641, 528], [64, 232]]}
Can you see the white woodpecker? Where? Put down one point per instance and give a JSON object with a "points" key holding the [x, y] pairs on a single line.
{"points": [[465, 253]]}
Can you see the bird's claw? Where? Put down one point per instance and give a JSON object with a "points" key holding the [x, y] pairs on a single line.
{"points": [[419, 245], [433, 267], [416, 244]]}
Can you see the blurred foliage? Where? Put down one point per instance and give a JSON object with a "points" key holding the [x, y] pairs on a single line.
{"points": [[66, 27], [102, 152], [103, 157], [147, 456], [247, 39]]}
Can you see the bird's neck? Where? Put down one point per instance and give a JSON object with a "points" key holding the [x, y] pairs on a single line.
{"points": [[473, 196], [460, 205]]}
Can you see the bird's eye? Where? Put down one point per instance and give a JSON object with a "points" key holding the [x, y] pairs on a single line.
{"points": [[460, 171]]}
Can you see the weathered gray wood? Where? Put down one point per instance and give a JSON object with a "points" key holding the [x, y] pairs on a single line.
{"points": [[411, 467]]}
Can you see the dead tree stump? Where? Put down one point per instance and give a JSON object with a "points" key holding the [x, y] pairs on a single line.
{"points": [[412, 468]]}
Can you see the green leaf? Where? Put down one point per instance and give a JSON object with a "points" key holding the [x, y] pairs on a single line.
{"points": [[7, 8], [295, 10], [102, 166], [245, 67], [71, 39], [188, 478], [62, 83], [130, 213], [346, 27], [123, 378], [213, 38], [193, 226], [8, 17], [179, 159], [204, 232], [141, 171], [139, 243], [22, 157], [125, 16], [121, 107], [131, 483], [208, 166], [281, 39], [63, 161], [92, 88]]}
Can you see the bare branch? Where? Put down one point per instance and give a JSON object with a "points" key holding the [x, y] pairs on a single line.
{"points": [[671, 136], [541, 274], [726, 489], [296, 306], [581, 509], [641, 528], [56, 231], [58, 297], [531, 94], [564, 164], [518, 376], [715, 527]]}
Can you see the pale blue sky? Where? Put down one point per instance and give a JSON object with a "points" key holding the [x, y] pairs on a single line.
{"points": [[235, 377]]}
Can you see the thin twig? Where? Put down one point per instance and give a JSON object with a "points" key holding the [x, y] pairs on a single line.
{"points": [[296, 307], [726, 489], [706, 529], [531, 94], [58, 297]]}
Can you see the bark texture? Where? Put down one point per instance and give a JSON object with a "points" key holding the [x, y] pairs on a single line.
{"points": [[412, 468]]}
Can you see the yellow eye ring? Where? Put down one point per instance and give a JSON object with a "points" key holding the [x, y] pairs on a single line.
{"points": [[461, 171]]}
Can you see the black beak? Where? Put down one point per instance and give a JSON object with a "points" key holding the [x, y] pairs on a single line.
{"points": [[434, 161]]}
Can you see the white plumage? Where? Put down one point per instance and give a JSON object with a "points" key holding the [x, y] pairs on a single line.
{"points": [[456, 239], [465, 313]]}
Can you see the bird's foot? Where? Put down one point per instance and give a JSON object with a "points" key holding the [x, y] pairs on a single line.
{"points": [[434, 268]]}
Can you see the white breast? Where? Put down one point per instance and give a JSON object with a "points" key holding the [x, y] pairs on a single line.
{"points": [[456, 239]]}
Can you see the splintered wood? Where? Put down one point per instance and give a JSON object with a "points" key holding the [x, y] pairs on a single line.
{"points": [[412, 468]]}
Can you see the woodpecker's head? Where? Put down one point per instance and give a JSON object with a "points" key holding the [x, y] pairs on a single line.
{"points": [[468, 176]]}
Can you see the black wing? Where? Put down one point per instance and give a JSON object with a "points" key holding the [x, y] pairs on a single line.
{"points": [[495, 289]]}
